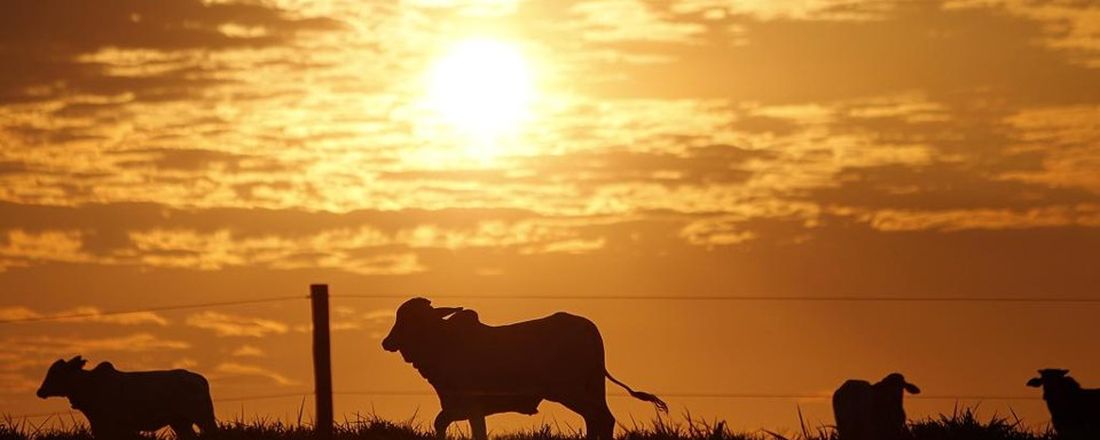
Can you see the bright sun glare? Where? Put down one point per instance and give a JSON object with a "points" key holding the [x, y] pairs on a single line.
{"points": [[482, 88]]}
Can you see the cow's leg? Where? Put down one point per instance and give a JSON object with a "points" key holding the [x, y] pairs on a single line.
{"points": [[208, 424], [442, 421], [183, 429], [477, 428], [110, 431]]}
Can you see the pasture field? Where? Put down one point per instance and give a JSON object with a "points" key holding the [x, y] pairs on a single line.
{"points": [[962, 425]]}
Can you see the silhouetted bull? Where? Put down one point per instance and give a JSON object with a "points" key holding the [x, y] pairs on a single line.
{"points": [[872, 412], [120, 404], [478, 370], [1074, 411]]}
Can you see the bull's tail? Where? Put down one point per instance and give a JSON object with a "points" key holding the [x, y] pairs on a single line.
{"points": [[656, 401]]}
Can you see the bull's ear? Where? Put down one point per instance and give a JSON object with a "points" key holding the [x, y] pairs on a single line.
{"points": [[1035, 382], [912, 389], [443, 312]]}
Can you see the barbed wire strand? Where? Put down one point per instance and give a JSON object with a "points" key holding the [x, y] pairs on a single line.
{"points": [[717, 395], [749, 298], [208, 305], [852, 298]]}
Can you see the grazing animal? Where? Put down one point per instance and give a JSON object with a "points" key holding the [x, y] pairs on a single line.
{"points": [[872, 412], [478, 370], [1074, 411], [120, 404]]}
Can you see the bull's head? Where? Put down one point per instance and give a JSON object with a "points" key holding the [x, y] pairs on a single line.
{"points": [[896, 381], [416, 321], [62, 378], [1049, 376]]}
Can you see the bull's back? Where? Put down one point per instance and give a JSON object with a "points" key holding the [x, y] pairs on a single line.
{"points": [[557, 348]]}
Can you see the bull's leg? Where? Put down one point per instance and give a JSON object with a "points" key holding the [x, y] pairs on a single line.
{"points": [[442, 421], [599, 423], [477, 428]]}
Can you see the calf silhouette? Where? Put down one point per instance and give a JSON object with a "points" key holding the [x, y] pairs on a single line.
{"points": [[478, 370], [120, 404], [1074, 411], [872, 412]]}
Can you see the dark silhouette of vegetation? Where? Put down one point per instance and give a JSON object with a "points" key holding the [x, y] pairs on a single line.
{"points": [[963, 424]]}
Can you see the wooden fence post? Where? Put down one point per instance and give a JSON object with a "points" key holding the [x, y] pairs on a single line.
{"points": [[322, 360]]}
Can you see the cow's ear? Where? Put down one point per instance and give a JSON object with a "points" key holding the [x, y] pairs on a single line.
{"points": [[77, 362], [1035, 382], [912, 389]]}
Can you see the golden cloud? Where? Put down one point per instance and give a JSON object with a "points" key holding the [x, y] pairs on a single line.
{"points": [[1087, 215], [84, 314], [224, 325], [257, 371]]}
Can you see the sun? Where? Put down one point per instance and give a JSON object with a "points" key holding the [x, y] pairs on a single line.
{"points": [[481, 87]]}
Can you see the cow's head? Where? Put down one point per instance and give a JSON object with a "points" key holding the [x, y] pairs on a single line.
{"points": [[417, 321], [896, 381], [1048, 377], [62, 377]]}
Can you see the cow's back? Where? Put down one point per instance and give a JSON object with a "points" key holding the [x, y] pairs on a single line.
{"points": [[852, 406], [150, 400]]}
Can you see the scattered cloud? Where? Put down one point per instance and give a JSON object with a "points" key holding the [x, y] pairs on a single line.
{"points": [[631, 20], [1086, 215], [248, 351], [226, 325], [830, 10], [723, 231], [256, 371], [84, 314], [53, 345]]}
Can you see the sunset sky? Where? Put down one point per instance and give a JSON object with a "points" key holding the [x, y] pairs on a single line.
{"points": [[177, 152]]}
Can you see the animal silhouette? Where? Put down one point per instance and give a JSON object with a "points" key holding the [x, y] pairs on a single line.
{"points": [[1074, 411], [478, 370], [866, 411], [118, 405]]}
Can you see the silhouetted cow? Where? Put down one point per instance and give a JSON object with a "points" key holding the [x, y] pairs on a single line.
{"points": [[120, 404], [1074, 411], [872, 412], [478, 370]]}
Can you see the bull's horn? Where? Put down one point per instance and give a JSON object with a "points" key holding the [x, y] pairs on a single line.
{"points": [[444, 312]]}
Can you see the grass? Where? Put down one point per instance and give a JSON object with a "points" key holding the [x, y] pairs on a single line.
{"points": [[961, 425]]}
